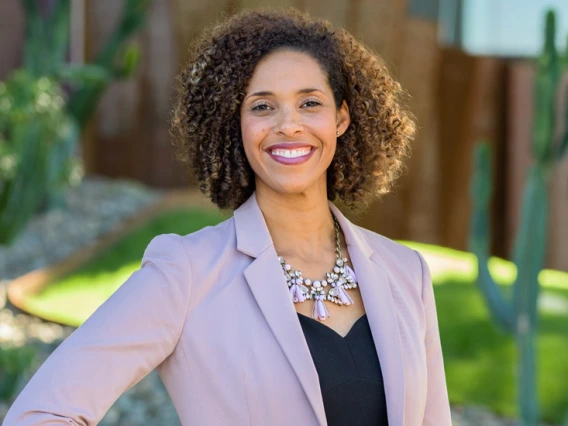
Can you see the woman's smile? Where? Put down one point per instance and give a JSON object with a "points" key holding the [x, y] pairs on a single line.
{"points": [[294, 157], [290, 153]]}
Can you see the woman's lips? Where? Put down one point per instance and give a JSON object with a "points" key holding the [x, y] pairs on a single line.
{"points": [[292, 161]]}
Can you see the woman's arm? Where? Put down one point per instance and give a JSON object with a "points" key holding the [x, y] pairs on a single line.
{"points": [[126, 338], [437, 410]]}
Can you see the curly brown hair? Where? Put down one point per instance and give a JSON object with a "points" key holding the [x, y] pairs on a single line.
{"points": [[206, 119]]}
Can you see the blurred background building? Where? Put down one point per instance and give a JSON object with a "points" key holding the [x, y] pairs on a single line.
{"points": [[467, 64]]}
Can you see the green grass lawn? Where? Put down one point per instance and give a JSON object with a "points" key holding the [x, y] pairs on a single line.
{"points": [[479, 359]]}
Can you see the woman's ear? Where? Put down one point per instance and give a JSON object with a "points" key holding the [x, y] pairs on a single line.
{"points": [[343, 118]]}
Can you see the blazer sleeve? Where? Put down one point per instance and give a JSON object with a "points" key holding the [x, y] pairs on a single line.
{"points": [[437, 409], [130, 334]]}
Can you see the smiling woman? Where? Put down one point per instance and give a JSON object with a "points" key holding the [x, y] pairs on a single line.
{"points": [[278, 114], [328, 82]]}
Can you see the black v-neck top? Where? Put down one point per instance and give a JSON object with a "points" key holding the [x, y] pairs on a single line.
{"points": [[349, 372]]}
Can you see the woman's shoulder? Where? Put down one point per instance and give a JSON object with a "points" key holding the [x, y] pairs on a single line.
{"points": [[394, 254], [208, 237], [385, 244]]}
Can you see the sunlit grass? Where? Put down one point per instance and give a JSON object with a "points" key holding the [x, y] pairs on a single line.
{"points": [[480, 360], [503, 271]]}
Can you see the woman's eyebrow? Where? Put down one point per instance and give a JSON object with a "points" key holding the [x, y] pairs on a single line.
{"points": [[269, 93]]}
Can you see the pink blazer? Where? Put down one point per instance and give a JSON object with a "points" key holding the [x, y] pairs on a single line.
{"points": [[211, 311]]}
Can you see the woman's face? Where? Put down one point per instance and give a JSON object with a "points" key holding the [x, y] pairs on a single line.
{"points": [[289, 122]]}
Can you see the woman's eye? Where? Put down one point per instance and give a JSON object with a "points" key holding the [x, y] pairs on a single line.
{"points": [[312, 103], [261, 107]]}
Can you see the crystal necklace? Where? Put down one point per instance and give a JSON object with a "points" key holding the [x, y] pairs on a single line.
{"points": [[337, 281]]}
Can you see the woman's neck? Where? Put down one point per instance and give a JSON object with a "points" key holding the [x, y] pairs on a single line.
{"points": [[301, 225]]}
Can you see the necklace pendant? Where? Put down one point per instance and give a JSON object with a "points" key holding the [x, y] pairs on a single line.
{"points": [[350, 273], [298, 291], [338, 295], [298, 295], [343, 296], [320, 311]]}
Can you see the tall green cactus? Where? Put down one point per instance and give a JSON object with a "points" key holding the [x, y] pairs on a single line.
{"points": [[35, 132], [47, 39], [39, 125], [115, 59], [517, 315]]}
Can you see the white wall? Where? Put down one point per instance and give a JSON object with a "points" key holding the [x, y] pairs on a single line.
{"points": [[510, 27]]}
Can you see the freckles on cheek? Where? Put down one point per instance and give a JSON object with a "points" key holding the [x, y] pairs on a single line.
{"points": [[256, 130], [253, 134], [250, 127]]}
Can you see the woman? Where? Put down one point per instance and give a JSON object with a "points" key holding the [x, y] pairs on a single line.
{"points": [[286, 313]]}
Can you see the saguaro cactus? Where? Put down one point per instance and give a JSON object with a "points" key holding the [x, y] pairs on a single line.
{"points": [[517, 315]]}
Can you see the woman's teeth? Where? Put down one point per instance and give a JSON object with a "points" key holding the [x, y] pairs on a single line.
{"points": [[291, 153]]}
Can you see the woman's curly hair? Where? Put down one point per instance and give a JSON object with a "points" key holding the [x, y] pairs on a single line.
{"points": [[206, 118]]}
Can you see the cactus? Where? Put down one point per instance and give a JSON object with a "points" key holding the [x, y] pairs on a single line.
{"points": [[117, 61], [517, 314], [36, 141], [39, 124], [46, 44]]}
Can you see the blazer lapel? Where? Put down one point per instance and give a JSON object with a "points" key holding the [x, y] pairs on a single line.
{"points": [[374, 285], [268, 285], [266, 281]]}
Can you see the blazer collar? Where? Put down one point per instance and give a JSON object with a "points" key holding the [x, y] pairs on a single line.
{"points": [[268, 286]]}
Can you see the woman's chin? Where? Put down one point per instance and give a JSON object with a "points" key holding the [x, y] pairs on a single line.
{"points": [[295, 186]]}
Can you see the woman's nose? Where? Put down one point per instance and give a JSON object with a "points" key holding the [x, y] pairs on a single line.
{"points": [[289, 122]]}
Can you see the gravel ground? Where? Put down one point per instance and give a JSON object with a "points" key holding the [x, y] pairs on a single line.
{"points": [[94, 208]]}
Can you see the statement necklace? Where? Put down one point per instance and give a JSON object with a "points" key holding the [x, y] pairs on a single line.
{"points": [[341, 278]]}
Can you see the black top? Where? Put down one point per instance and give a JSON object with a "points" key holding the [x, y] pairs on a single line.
{"points": [[349, 372]]}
